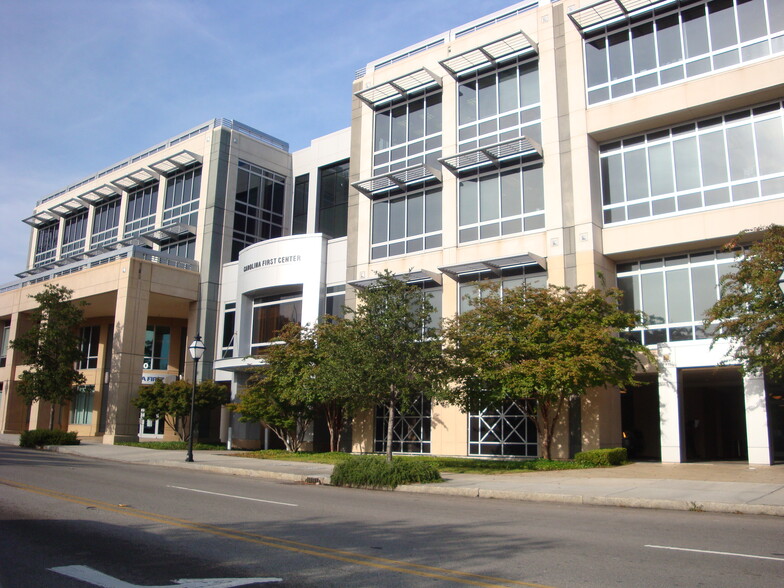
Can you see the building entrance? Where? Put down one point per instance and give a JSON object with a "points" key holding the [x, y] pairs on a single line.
{"points": [[713, 422], [640, 419]]}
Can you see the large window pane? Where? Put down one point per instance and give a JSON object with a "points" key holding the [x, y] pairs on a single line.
{"points": [[668, 37], [511, 199], [529, 84], [687, 165], [488, 104], [652, 286], [415, 214], [469, 204], [713, 158], [695, 31], [596, 61], [660, 165], [770, 146], [466, 100], [678, 296], [740, 143], [399, 125], [433, 122], [636, 174], [433, 211], [703, 285], [380, 220], [643, 49], [620, 55], [416, 120], [488, 198], [722, 24], [612, 179], [397, 218], [507, 90], [533, 189], [751, 19]]}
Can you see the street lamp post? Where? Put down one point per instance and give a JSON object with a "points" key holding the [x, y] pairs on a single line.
{"points": [[197, 350]]}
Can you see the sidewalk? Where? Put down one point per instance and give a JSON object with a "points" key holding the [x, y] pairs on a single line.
{"points": [[711, 487]]}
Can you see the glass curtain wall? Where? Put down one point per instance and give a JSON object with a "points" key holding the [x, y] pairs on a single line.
{"points": [[679, 41]]}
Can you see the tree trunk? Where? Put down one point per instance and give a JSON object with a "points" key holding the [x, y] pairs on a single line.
{"points": [[390, 427], [51, 417]]}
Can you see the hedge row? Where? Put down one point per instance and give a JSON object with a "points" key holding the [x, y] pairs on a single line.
{"points": [[374, 471], [41, 437], [602, 457]]}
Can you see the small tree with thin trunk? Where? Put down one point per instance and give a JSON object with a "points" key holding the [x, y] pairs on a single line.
{"points": [[749, 315], [397, 350], [545, 345], [52, 349], [171, 401], [280, 394]]}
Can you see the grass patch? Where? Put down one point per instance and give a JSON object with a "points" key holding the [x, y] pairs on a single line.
{"points": [[455, 465], [176, 445]]}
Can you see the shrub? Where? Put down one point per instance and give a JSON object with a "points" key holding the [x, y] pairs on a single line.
{"points": [[374, 471], [602, 457], [41, 437]]}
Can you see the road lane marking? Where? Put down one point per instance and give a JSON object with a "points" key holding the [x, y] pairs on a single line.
{"points": [[231, 496], [286, 544], [96, 578], [716, 552]]}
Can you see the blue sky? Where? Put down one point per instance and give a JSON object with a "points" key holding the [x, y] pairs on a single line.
{"points": [[87, 83]]}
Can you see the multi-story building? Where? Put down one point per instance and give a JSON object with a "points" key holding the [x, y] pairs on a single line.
{"points": [[619, 142], [143, 244], [570, 143]]}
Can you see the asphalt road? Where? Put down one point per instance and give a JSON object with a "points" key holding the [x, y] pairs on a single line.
{"points": [[120, 525]]}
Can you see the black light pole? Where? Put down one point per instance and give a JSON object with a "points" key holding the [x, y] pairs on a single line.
{"points": [[197, 350]]}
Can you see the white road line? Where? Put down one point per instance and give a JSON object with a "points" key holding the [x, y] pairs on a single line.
{"points": [[716, 552], [232, 496], [96, 578]]}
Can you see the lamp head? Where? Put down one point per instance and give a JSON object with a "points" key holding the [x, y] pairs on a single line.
{"points": [[197, 348]]}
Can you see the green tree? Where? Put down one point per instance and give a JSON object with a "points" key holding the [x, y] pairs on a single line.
{"points": [[396, 349], [749, 314], [172, 401], [544, 345], [52, 349], [280, 394]]}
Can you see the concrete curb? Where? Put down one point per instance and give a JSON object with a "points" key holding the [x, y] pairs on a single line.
{"points": [[649, 503]]}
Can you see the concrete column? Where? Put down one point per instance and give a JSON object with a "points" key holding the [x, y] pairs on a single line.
{"points": [[757, 436], [669, 413], [130, 326]]}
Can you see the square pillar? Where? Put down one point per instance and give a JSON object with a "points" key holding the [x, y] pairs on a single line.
{"points": [[669, 413], [125, 378], [757, 436]]}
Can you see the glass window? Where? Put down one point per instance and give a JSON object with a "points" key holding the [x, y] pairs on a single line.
{"points": [[46, 243], [90, 338], [486, 199], [333, 199], [675, 41], [271, 314], [74, 233], [82, 406], [406, 223], [712, 162], [141, 210], [105, 222], [299, 217], [181, 203], [675, 292], [156, 347], [258, 207], [229, 314]]}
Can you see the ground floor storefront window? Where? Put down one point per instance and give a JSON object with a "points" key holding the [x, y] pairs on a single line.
{"points": [[411, 429], [507, 429]]}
